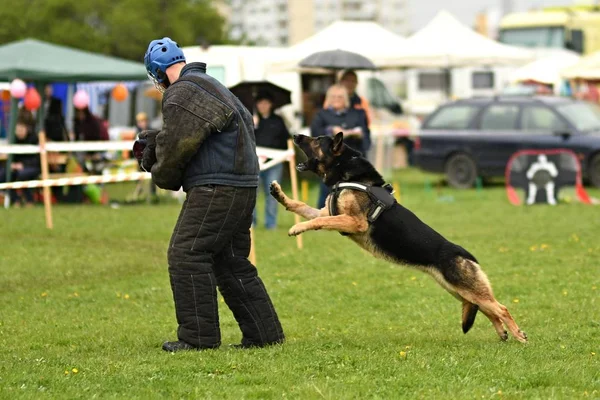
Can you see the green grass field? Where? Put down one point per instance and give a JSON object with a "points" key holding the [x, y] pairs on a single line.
{"points": [[84, 308]]}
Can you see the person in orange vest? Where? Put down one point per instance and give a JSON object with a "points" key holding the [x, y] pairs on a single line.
{"points": [[350, 80]]}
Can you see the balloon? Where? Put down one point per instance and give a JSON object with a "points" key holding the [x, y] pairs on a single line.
{"points": [[119, 93], [6, 95], [17, 88], [81, 99], [32, 100]]}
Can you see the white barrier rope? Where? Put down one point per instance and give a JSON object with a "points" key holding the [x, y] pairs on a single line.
{"points": [[105, 146], [78, 180], [67, 147], [273, 156]]}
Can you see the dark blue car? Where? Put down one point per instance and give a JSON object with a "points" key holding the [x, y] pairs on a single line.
{"points": [[476, 137]]}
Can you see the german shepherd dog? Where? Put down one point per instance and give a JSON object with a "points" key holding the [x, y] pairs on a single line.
{"points": [[396, 235]]}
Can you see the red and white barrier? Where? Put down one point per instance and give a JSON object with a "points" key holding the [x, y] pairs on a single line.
{"points": [[274, 157], [78, 180]]}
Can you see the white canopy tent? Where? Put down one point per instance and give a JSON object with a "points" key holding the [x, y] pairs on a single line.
{"points": [[446, 43], [366, 38], [547, 69], [588, 68]]}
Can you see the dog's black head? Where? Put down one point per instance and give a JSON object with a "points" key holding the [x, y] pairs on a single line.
{"points": [[321, 151], [331, 159]]}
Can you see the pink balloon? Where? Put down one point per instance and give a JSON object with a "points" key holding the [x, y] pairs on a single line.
{"points": [[18, 89], [81, 99]]}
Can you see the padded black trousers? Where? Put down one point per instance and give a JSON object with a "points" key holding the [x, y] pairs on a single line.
{"points": [[209, 249]]}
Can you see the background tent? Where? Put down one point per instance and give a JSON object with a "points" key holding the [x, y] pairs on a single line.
{"points": [[37, 61], [587, 68], [366, 38], [41, 62], [446, 43], [547, 69]]}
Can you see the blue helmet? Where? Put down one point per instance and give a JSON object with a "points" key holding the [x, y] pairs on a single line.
{"points": [[161, 54]]}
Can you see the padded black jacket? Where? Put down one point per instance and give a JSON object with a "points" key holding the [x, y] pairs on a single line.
{"points": [[207, 136]]}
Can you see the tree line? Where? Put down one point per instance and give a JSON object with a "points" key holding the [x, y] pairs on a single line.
{"points": [[121, 28]]}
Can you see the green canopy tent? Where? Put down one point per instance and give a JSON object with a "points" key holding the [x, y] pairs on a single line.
{"points": [[41, 62], [37, 61]]}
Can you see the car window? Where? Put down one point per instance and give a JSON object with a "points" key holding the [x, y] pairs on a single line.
{"points": [[500, 117], [585, 116], [453, 117], [536, 118]]}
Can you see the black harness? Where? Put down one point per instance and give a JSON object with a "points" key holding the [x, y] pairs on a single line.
{"points": [[381, 197]]}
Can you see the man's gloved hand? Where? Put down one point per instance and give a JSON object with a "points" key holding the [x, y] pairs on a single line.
{"points": [[149, 157]]}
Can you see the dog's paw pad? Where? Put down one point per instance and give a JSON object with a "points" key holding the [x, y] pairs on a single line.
{"points": [[524, 335], [275, 190]]}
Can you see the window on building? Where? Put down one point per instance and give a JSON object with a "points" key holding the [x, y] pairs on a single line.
{"points": [[433, 81], [482, 80]]}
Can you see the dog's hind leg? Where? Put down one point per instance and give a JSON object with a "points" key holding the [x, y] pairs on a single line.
{"points": [[297, 207], [475, 287], [497, 323], [500, 312]]}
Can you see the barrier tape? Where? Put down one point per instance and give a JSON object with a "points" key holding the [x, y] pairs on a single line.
{"points": [[67, 147], [79, 180], [275, 157]]}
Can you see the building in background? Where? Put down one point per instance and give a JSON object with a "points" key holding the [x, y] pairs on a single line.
{"points": [[286, 22]]}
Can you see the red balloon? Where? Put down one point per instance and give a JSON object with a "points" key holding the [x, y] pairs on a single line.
{"points": [[32, 100]]}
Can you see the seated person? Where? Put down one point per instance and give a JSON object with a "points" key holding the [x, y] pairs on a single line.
{"points": [[24, 167]]}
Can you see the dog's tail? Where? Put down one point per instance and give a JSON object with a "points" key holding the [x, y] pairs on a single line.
{"points": [[468, 315]]}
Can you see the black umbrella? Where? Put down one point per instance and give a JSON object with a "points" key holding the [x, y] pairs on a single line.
{"points": [[247, 91], [337, 59]]}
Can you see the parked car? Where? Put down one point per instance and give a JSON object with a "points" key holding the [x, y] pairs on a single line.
{"points": [[476, 137]]}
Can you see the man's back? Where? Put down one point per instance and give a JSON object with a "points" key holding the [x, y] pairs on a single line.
{"points": [[218, 127]]}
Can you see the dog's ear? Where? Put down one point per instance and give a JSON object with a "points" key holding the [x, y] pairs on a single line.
{"points": [[338, 141]]}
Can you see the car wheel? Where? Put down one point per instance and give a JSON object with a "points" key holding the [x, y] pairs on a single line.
{"points": [[594, 171], [461, 171]]}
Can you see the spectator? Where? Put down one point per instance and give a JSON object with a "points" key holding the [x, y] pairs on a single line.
{"points": [[26, 118], [24, 167], [54, 121], [270, 131], [350, 81], [141, 122], [338, 116], [86, 125]]}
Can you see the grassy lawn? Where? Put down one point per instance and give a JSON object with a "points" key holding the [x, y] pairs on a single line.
{"points": [[84, 308]]}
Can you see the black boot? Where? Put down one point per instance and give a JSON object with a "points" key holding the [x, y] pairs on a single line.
{"points": [[177, 346]]}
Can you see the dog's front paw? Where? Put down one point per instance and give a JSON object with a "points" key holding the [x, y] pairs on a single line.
{"points": [[295, 230], [276, 192]]}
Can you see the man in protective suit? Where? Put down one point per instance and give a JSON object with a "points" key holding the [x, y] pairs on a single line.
{"points": [[207, 146]]}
